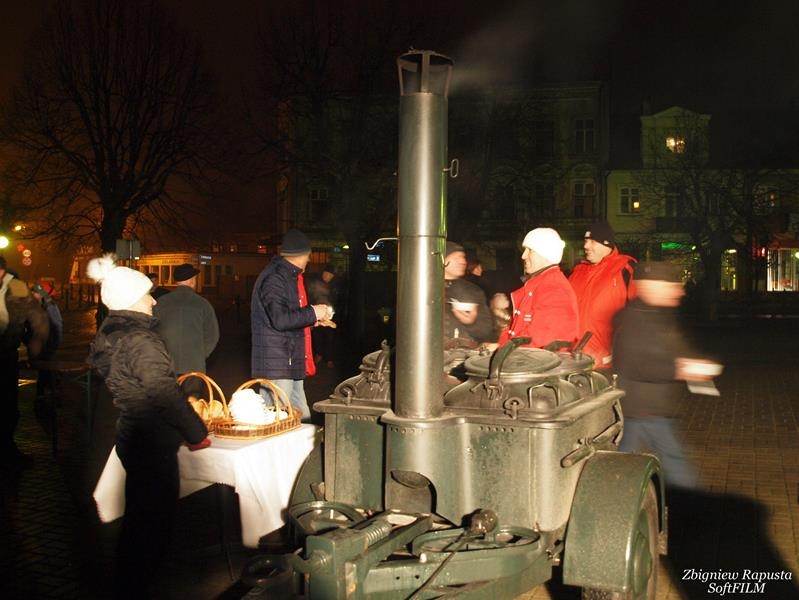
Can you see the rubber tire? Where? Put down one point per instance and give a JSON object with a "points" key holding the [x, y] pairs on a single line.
{"points": [[649, 508]]}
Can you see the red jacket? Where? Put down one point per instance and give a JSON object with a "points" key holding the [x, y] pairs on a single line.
{"points": [[602, 292], [544, 309]]}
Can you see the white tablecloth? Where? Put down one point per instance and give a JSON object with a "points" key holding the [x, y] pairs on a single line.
{"points": [[262, 472]]}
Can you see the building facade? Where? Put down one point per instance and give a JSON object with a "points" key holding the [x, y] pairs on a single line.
{"points": [[687, 193]]}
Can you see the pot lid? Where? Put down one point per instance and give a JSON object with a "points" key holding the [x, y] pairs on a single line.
{"points": [[522, 361]]}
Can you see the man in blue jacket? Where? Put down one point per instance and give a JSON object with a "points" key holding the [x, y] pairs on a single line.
{"points": [[282, 319]]}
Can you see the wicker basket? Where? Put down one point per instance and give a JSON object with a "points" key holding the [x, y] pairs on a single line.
{"points": [[213, 390], [231, 429]]}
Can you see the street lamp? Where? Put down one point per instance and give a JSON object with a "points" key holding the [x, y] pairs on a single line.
{"points": [[4, 242]]}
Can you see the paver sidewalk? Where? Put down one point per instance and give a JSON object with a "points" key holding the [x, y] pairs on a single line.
{"points": [[745, 444]]}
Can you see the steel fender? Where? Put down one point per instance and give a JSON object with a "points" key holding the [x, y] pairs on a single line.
{"points": [[312, 471], [606, 503]]}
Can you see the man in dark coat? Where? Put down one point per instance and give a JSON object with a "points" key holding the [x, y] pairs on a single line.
{"points": [[154, 420], [466, 315], [651, 357], [18, 311], [188, 325], [322, 289], [282, 319]]}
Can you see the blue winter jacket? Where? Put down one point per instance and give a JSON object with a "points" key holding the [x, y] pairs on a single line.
{"points": [[278, 321]]}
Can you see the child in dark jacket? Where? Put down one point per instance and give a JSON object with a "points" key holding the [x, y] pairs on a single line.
{"points": [[154, 420]]}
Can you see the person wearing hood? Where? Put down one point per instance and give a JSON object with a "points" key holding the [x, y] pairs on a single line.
{"points": [[154, 419], [544, 308], [603, 283]]}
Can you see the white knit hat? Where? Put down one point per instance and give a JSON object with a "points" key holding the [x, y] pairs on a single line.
{"points": [[546, 242], [121, 287]]}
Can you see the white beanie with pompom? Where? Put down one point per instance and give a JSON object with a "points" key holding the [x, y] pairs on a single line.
{"points": [[121, 287], [546, 242]]}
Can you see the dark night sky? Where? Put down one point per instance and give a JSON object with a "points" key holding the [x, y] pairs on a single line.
{"points": [[711, 54]]}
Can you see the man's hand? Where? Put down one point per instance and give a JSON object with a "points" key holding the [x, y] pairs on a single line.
{"points": [[500, 302], [324, 312], [200, 445], [467, 317], [696, 369]]}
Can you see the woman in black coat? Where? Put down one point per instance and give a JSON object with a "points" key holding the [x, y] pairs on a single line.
{"points": [[154, 420]]}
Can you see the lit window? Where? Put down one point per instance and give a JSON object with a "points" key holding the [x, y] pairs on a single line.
{"points": [[629, 200], [675, 144]]}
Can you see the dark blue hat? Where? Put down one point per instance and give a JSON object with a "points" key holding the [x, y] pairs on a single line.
{"points": [[295, 243]]}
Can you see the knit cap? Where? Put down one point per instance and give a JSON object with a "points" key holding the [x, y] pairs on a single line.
{"points": [[120, 287], [546, 242]]}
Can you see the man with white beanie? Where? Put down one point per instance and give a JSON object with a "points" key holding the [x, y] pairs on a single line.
{"points": [[545, 307], [154, 419]]}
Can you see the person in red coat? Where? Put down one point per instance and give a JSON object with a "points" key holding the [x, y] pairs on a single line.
{"points": [[603, 283], [545, 307]]}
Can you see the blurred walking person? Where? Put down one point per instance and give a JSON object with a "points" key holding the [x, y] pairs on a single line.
{"points": [[653, 361]]}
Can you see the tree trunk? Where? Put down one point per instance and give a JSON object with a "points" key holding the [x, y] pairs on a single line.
{"points": [[110, 231], [711, 286]]}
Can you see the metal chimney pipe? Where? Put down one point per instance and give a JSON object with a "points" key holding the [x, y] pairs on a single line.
{"points": [[424, 84]]}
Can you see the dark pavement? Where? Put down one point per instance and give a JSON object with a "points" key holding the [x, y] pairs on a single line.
{"points": [[745, 443]]}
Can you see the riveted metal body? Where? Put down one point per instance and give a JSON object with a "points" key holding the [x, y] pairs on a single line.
{"points": [[525, 441]]}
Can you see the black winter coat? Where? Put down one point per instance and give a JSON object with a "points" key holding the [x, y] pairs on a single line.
{"points": [[482, 330], [648, 340], [132, 359], [278, 323]]}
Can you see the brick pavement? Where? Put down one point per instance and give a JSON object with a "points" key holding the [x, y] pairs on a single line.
{"points": [[744, 443]]}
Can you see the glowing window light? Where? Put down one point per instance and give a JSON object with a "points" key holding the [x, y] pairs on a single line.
{"points": [[675, 144]]}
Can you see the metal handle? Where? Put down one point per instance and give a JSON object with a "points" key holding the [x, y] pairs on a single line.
{"points": [[378, 240], [454, 168], [547, 385], [583, 341], [503, 353]]}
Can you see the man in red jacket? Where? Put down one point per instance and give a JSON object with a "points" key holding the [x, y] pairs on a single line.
{"points": [[603, 283], [545, 308]]}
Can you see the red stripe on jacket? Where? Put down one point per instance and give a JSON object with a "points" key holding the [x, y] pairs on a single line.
{"points": [[310, 365]]}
